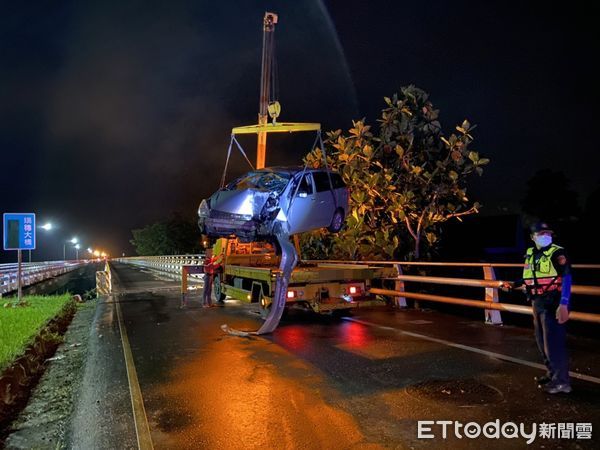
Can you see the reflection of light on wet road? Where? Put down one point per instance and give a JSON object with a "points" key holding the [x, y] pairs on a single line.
{"points": [[355, 335], [293, 337], [239, 393], [360, 340]]}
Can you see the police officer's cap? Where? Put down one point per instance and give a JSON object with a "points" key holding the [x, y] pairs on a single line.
{"points": [[540, 226]]}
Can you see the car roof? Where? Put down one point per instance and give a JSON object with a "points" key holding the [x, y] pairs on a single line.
{"points": [[292, 170]]}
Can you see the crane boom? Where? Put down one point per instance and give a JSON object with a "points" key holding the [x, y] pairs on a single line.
{"points": [[268, 54]]}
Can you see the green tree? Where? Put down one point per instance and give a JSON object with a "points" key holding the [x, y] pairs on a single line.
{"points": [[175, 235], [405, 181]]}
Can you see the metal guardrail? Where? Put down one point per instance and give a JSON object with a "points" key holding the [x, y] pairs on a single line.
{"points": [[441, 264], [491, 301], [33, 273], [170, 264]]}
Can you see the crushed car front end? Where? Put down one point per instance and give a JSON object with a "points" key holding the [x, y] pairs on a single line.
{"points": [[246, 208]]}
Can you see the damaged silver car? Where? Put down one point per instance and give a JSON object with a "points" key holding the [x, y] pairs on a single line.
{"points": [[298, 199]]}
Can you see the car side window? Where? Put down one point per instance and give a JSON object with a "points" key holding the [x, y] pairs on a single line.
{"points": [[305, 186], [322, 181], [336, 180]]}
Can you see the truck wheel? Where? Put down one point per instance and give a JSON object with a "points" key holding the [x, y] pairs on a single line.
{"points": [[337, 221], [217, 289]]}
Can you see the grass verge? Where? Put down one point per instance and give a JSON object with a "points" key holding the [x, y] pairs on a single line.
{"points": [[20, 325]]}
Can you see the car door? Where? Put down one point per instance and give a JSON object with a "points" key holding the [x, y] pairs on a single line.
{"points": [[324, 199], [302, 210]]}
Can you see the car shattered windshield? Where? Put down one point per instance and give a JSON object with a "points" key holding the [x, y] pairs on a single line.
{"points": [[263, 181]]}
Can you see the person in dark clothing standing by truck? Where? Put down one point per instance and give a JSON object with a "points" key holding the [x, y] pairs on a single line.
{"points": [[547, 283], [212, 265]]}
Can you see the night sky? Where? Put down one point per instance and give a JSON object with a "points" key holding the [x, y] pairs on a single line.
{"points": [[115, 114]]}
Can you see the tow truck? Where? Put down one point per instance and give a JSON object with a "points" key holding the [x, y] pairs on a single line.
{"points": [[267, 273], [250, 272]]}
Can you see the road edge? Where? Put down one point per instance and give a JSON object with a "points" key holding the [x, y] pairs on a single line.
{"points": [[46, 420]]}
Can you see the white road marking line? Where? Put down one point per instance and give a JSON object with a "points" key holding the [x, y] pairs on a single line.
{"points": [[523, 362], [142, 430]]}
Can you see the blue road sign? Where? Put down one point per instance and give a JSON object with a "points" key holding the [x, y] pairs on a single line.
{"points": [[19, 231]]}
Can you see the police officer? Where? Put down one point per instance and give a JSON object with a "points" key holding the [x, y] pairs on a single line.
{"points": [[547, 283]]}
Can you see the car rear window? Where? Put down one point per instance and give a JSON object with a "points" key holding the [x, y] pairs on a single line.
{"points": [[262, 181], [322, 181]]}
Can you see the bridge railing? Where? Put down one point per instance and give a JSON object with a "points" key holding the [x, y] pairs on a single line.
{"points": [[170, 264], [489, 282], [491, 300], [32, 273]]}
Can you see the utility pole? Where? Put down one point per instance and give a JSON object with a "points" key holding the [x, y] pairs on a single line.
{"points": [[268, 48]]}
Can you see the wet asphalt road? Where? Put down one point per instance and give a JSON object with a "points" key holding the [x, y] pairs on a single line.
{"points": [[362, 382]]}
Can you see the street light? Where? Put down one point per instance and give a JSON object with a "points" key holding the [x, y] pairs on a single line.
{"points": [[72, 241], [47, 226]]}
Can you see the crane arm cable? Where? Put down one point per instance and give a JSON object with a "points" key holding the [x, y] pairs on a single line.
{"points": [[233, 139]]}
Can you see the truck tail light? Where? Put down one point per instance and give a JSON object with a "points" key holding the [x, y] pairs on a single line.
{"points": [[291, 294], [354, 290]]}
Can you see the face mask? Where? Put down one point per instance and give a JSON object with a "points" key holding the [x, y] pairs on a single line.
{"points": [[542, 241]]}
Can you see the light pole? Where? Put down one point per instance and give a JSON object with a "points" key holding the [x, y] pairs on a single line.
{"points": [[77, 247], [72, 241]]}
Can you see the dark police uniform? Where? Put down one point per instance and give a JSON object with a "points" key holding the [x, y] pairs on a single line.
{"points": [[543, 275]]}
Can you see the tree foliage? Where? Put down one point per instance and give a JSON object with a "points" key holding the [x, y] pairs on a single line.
{"points": [[173, 236], [405, 181]]}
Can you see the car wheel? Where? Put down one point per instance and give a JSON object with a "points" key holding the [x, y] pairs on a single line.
{"points": [[218, 289], [337, 221]]}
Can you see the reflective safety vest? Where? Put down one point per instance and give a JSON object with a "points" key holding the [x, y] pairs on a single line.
{"points": [[212, 265], [541, 277]]}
